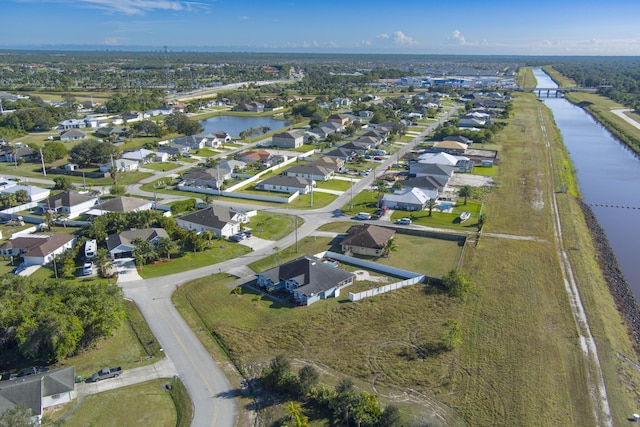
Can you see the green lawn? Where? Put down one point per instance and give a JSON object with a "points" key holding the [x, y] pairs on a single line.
{"points": [[334, 184], [161, 167], [153, 407], [272, 226], [218, 251]]}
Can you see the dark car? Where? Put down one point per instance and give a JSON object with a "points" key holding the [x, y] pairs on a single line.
{"points": [[31, 371], [247, 233]]}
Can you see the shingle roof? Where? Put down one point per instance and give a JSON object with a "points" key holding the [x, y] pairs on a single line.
{"points": [[30, 390], [67, 199], [38, 246], [368, 236], [287, 181], [122, 204], [128, 236], [213, 216], [310, 273]]}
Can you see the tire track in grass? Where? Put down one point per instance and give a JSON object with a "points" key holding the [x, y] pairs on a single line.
{"points": [[595, 379]]}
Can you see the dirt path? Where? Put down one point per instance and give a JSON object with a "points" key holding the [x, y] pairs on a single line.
{"points": [[595, 379], [620, 112]]}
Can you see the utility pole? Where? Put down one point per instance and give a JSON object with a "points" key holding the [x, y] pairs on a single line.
{"points": [[44, 171], [351, 204], [296, 233]]}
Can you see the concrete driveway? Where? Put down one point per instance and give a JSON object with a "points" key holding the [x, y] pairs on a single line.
{"points": [[127, 270]]}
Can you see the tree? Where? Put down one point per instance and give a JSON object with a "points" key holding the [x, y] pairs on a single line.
{"points": [[295, 417], [144, 252], [117, 190], [113, 172], [390, 417], [103, 262], [456, 284], [431, 205], [22, 196], [62, 183], [18, 416], [278, 374], [465, 191], [451, 337], [307, 379], [382, 187], [390, 246], [167, 246], [53, 150]]}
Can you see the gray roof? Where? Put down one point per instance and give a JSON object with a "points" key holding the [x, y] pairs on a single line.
{"points": [[431, 182], [213, 216], [286, 181], [128, 236], [66, 198], [122, 204], [309, 169], [313, 275], [30, 390]]}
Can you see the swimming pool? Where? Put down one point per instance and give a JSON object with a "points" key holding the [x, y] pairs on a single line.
{"points": [[443, 206]]}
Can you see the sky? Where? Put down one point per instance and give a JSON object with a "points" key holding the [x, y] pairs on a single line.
{"points": [[463, 27]]}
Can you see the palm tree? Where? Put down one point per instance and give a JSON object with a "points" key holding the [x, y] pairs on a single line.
{"points": [[382, 187], [113, 171], [166, 245], [390, 246], [431, 205], [465, 191]]}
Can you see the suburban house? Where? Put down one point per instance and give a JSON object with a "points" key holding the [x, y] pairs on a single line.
{"points": [[231, 165], [287, 140], [310, 172], [307, 279], [459, 163], [459, 138], [253, 156], [111, 132], [360, 147], [428, 183], [121, 245], [73, 135], [192, 141], [144, 156], [72, 124], [286, 184], [221, 221], [408, 199], [35, 193], [342, 119], [343, 154], [319, 132], [121, 204], [450, 147], [39, 391], [38, 249], [341, 102], [334, 163], [70, 203], [205, 177], [369, 240], [23, 152], [123, 165], [254, 107]]}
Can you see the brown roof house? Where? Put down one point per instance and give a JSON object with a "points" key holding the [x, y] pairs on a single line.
{"points": [[38, 249], [39, 391], [307, 279], [369, 240]]}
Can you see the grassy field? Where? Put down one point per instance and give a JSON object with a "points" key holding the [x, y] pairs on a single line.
{"points": [[153, 407], [161, 167], [520, 361]]}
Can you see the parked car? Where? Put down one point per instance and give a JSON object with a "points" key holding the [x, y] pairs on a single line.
{"points": [[106, 373], [237, 237], [404, 221], [377, 158], [87, 269], [363, 215], [19, 269], [247, 233], [27, 372]]}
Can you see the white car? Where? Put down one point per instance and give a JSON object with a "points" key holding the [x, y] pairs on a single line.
{"points": [[404, 221], [363, 215]]}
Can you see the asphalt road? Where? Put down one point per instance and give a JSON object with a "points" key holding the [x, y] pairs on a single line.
{"points": [[211, 392]]}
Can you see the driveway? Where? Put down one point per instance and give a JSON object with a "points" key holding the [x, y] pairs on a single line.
{"points": [[127, 270]]}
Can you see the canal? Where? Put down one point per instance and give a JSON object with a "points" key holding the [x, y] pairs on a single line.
{"points": [[608, 173]]}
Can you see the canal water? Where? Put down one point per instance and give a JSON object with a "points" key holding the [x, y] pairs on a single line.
{"points": [[608, 173], [233, 125]]}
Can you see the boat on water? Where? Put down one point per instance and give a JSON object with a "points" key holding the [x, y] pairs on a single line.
{"points": [[465, 216]]}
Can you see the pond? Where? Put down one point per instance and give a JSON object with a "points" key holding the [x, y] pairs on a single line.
{"points": [[233, 125]]}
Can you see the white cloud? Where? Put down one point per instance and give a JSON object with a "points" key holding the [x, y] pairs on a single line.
{"points": [[136, 7], [382, 36], [400, 38], [457, 37]]}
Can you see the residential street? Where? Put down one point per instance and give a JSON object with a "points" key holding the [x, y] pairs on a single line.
{"points": [[209, 389]]}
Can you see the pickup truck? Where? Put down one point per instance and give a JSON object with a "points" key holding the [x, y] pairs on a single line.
{"points": [[105, 373]]}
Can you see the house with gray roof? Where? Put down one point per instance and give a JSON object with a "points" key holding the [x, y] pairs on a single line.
{"points": [[71, 203], [431, 169], [369, 240], [307, 279], [121, 245], [39, 391], [408, 199], [121, 204], [73, 135], [219, 220], [286, 184], [430, 182], [287, 139], [310, 172]]}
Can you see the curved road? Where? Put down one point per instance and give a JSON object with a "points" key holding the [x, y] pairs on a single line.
{"points": [[209, 389]]}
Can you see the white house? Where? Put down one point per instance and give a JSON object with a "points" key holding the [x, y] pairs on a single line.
{"points": [[70, 203], [123, 165], [38, 250], [310, 172], [35, 193], [286, 184], [408, 199], [144, 156], [287, 140], [218, 220], [121, 245]]}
